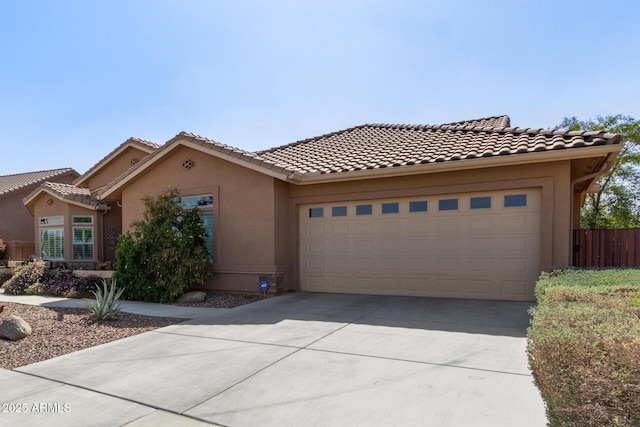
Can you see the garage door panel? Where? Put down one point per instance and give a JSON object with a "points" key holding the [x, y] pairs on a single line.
{"points": [[340, 230], [363, 247], [447, 227], [390, 246], [316, 248], [447, 246], [480, 250], [365, 228], [514, 288], [481, 264], [316, 231], [417, 246], [339, 265], [480, 287], [340, 247], [483, 225], [417, 227]]}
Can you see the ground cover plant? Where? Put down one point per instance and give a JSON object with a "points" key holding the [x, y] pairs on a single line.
{"points": [[35, 278], [584, 346]]}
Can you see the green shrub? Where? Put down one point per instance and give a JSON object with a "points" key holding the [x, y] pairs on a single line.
{"points": [[165, 253], [107, 302], [584, 347]]}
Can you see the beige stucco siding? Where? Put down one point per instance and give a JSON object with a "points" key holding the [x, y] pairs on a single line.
{"points": [[119, 164], [244, 212], [67, 211]]}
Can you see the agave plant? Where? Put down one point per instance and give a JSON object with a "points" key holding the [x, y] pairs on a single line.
{"points": [[107, 302]]}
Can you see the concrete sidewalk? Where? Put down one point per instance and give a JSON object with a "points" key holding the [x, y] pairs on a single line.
{"points": [[135, 307], [297, 360]]}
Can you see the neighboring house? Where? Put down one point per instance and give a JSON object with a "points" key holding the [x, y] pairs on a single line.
{"points": [[72, 225], [16, 224], [472, 209]]}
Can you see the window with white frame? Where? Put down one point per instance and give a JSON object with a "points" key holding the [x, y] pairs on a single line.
{"points": [[82, 237], [82, 243], [52, 238]]}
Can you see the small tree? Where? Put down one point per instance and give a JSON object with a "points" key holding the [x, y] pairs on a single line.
{"points": [[617, 203], [165, 253]]}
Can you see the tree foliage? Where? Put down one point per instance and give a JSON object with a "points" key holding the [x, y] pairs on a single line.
{"points": [[617, 203], [165, 253]]}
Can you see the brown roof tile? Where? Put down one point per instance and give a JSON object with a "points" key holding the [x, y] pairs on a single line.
{"points": [[11, 183], [71, 193], [374, 146]]}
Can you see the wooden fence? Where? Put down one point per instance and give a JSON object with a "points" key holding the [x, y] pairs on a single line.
{"points": [[607, 248]]}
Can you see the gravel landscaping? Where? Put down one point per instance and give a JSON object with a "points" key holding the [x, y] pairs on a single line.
{"points": [[58, 331]]}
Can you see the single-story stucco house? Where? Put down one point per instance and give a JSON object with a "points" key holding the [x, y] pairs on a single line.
{"points": [[16, 223], [472, 209]]}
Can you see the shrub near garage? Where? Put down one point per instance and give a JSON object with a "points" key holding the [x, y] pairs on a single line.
{"points": [[165, 253], [584, 347]]}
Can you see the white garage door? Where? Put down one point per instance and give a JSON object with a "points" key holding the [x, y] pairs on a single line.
{"points": [[474, 245]]}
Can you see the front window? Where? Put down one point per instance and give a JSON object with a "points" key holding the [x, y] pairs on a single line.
{"points": [[52, 243], [83, 243], [205, 205]]}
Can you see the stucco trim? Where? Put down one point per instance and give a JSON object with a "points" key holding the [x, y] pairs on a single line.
{"points": [[28, 202], [166, 150]]}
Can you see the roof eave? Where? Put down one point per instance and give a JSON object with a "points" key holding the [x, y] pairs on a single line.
{"points": [[260, 166], [466, 164], [30, 199], [100, 165]]}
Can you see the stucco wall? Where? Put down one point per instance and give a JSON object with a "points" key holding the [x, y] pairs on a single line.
{"points": [[244, 214], [16, 223], [60, 208], [116, 167]]}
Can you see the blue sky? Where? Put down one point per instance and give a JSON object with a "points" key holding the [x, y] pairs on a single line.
{"points": [[78, 78]]}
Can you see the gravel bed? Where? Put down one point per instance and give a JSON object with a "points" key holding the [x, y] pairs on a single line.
{"points": [[221, 300], [58, 331]]}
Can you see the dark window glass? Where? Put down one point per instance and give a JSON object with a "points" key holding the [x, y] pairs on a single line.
{"points": [[339, 211], [418, 206], [389, 208], [364, 210], [480, 202], [515, 200], [316, 212], [448, 204]]}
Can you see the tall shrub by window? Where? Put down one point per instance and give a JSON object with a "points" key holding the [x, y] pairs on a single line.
{"points": [[165, 253]]}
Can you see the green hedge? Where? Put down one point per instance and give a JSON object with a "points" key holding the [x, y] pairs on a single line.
{"points": [[584, 346]]}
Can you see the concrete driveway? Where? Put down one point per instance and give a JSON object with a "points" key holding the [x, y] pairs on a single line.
{"points": [[299, 360]]}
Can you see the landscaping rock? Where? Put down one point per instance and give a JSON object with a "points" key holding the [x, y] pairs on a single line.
{"points": [[192, 297], [14, 328]]}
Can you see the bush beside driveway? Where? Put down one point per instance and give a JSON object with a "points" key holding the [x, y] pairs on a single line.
{"points": [[584, 347]]}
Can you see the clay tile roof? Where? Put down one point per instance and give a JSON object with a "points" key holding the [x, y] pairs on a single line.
{"points": [[248, 156], [487, 122], [11, 183], [375, 146], [72, 193]]}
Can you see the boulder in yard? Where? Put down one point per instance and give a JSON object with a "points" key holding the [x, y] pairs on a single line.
{"points": [[14, 328], [192, 297]]}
